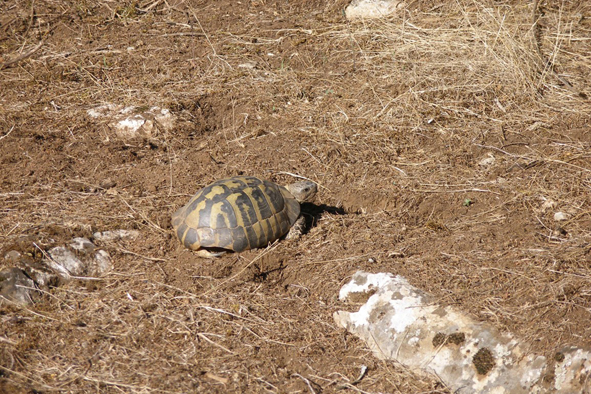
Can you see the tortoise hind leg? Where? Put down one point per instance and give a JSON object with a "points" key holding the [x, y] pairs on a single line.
{"points": [[297, 229], [210, 254]]}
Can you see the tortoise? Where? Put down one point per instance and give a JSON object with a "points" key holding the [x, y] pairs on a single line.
{"points": [[240, 213]]}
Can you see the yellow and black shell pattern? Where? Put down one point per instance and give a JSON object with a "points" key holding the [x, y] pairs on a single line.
{"points": [[236, 214]]}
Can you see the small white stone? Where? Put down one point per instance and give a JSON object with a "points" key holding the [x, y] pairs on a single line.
{"points": [[130, 122], [65, 262], [560, 216], [101, 110], [12, 257], [487, 161], [372, 8], [163, 117], [249, 65], [129, 127], [548, 204], [128, 110], [82, 244], [101, 263], [43, 278], [16, 286], [79, 258], [113, 235]]}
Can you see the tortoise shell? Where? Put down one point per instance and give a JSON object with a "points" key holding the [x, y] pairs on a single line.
{"points": [[236, 214]]}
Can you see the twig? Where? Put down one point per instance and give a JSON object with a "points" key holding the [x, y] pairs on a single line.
{"points": [[455, 191], [211, 309], [293, 175], [22, 57], [31, 18], [7, 134], [149, 7], [204, 33], [351, 385], [201, 335], [314, 157], [500, 150], [125, 251], [306, 381], [529, 158], [267, 383], [4, 339], [174, 34], [361, 375]]}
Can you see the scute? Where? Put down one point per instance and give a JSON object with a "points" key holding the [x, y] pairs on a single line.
{"points": [[237, 213]]}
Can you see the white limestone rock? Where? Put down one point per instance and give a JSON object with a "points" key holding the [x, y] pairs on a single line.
{"points": [[134, 121], [80, 258], [400, 322], [115, 235], [16, 286], [371, 9]]}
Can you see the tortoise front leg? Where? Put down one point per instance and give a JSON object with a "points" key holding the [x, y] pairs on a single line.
{"points": [[297, 229]]}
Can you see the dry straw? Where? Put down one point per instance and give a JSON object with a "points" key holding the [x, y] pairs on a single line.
{"points": [[393, 117]]}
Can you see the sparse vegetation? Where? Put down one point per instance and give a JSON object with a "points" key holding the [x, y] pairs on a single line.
{"points": [[392, 118]]}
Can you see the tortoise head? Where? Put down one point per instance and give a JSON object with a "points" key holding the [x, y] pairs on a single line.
{"points": [[303, 191]]}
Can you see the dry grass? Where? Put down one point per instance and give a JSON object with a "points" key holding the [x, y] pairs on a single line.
{"points": [[393, 119]]}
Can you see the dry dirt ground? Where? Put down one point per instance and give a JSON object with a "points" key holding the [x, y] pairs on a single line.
{"points": [[444, 140]]}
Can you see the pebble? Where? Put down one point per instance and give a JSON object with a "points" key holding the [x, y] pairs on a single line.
{"points": [[134, 121], [107, 184], [82, 244], [487, 161], [113, 235], [41, 275], [86, 262], [371, 9], [249, 65], [547, 204], [102, 262], [560, 216], [12, 257], [16, 286], [64, 262], [79, 258]]}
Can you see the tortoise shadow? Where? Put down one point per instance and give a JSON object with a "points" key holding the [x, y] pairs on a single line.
{"points": [[313, 212]]}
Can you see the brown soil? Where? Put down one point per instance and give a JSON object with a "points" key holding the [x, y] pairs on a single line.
{"points": [[392, 118]]}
